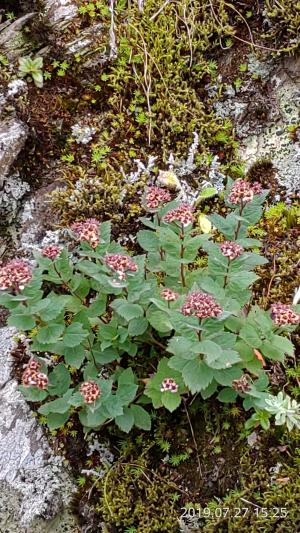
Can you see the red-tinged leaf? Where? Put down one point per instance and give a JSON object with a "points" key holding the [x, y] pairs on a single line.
{"points": [[259, 356]]}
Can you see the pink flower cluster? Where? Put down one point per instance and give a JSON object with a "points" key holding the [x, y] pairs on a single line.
{"points": [[52, 251], [231, 249], [242, 384], [121, 264], [283, 314], [31, 377], [90, 391], [169, 295], [15, 275], [88, 231], [168, 385], [182, 214], [242, 191], [156, 197], [202, 305]]}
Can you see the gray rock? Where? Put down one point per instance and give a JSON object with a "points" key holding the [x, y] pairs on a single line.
{"points": [[12, 42], [60, 12], [40, 485], [88, 46], [13, 134], [274, 141], [13, 191]]}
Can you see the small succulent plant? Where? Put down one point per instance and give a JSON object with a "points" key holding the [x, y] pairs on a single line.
{"points": [[32, 67], [286, 410]]}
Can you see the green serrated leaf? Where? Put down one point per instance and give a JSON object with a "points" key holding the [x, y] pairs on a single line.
{"points": [[56, 420], [170, 400], [159, 320], [197, 375], [137, 326], [125, 421], [127, 310], [250, 335], [74, 356], [92, 418], [57, 406], [50, 334], [74, 334], [59, 380], [21, 321], [148, 240], [141, 417], [227, 395], [32, 394]]}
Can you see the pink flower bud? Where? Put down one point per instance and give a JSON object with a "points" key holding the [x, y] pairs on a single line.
{"points": [[283, 314], [51, 251], [182, 214], [201, 305], [156, 197], [169, 385], [231, 250], [15, 275], [121, 264], [90, 391], [88, 231]]}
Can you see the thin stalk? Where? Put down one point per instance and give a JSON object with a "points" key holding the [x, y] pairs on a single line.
{"points": [[194, 439], [236, 233], [226, 274], [182, 269]]}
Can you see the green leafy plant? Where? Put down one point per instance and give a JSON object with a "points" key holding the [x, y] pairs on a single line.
{"points": [[124, 332], [33, 68]]}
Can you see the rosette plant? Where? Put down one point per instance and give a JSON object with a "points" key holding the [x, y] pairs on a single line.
{"points": [[113, 334]]}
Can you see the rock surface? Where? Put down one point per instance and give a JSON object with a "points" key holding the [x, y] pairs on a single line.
{"points": [[274, 141], [262, 114], [13, 134], [36, 487], [12, 42], [59, 12]]}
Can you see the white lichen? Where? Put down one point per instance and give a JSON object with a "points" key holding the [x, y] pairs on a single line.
{"points": [[82, 134]]}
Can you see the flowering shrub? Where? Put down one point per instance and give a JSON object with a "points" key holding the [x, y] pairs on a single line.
{"points": [[122, 332]]}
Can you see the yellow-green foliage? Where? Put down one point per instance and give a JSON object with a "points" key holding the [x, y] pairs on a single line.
{"points": [[134, 494], [154, 83], [102, 196], [285, 19]]}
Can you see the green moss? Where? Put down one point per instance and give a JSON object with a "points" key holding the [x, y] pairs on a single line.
{"points": [[103, 196], [153, 85], [135, 494], [284, 16]]}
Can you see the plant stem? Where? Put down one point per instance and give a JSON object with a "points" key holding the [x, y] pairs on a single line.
{"points": [[236, 233], [182, 273], [193, 437], [226, 275], [154, 341]]}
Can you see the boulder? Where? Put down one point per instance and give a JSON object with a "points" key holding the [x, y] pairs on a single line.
{"points": [[59, 13], [13, 134], [12, 42], [36, 487]]}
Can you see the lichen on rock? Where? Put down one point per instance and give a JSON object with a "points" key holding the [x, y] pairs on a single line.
{"points": [[28, 467]]}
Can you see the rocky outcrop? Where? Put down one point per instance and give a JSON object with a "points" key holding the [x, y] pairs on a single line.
{"points": [[12, 42], [274, 141], [264, 112], [36, 487], [59, 12], [13, 134]]}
